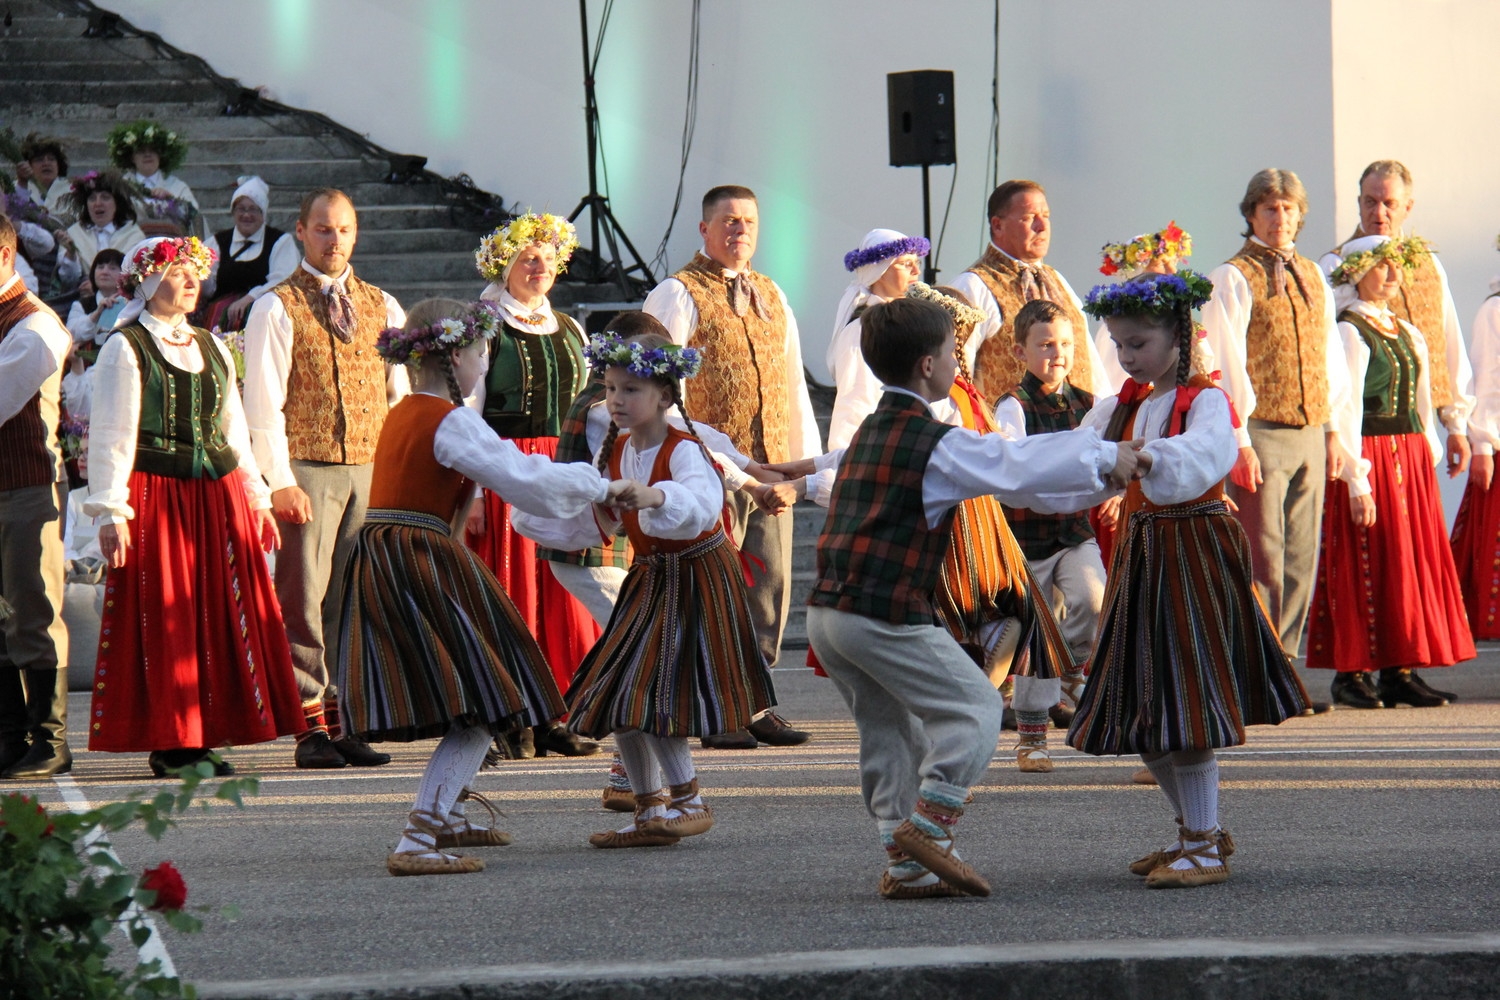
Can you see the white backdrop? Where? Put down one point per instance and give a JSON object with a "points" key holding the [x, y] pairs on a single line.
{"points": [[1130, 114]]}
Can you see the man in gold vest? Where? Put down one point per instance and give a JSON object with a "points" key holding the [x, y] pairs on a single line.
{"points": [[1010, 274], [1385, 201], [752, 388], [316, 395], [1271, 327]]}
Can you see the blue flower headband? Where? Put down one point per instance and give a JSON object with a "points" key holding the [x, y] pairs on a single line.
{"points": [[609, 350], [1149, 295], [856, 259]]}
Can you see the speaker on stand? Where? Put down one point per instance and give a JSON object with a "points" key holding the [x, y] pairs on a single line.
{"points": [[919, 106]]}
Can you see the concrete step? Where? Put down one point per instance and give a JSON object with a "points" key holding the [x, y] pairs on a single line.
{"points": [[202, 174], [387, 241], [19, 93], [41, 23], [139, 105], [73, 124], [409, 293], [412, 215], [240, 150], [419, 268], [70, 48], [98, 69]]}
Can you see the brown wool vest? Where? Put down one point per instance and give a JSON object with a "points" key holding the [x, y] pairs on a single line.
{"points": [[28, 455], [742, 388], [335, 392], [997, 370], [1286, 343]]}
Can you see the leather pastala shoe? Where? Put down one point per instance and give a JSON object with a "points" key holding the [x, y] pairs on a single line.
{"points": [[41, 761], [773, 730], [318, 752], [357, 753]]}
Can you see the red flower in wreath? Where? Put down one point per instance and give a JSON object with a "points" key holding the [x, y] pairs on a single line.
{"points": [[1108, 267], [1173, 232], [166, 881]]}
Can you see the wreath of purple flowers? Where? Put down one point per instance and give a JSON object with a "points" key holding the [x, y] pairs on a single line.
{"points": [[1149, 295], [856, 259], [669, 361]]}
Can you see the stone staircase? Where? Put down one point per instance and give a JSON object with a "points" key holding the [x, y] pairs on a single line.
{"points": [[416, 239]]}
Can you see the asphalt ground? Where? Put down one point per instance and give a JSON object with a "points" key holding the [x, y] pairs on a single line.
{"points": [[1354, 825]]}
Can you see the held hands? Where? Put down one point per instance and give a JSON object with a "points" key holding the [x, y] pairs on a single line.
{"points": [[1362, 510], [627, 494], [792, 470], [291, 505], [1458, 454], [763, 473], [1246, 472], [1482, 471], [776, 498], [1130, 463], [114, 543]]}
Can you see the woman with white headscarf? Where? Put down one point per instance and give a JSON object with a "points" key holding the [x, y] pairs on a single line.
{"points": [[536, 368], [185, 522], [253, 258], [1387, 596], [884, 266]]}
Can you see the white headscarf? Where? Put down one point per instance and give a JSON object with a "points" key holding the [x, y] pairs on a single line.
{"points": [[1346, 293], [255, 189], [146, 288], [866, 275]]}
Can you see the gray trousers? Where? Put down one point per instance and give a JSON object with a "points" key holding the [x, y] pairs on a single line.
{"points": [[1283, 518], [1071, 580], [768, 539], [310, 567], [34, 641], [924, 710]]}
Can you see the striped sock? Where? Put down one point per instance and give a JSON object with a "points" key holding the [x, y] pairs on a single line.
{"points": [[331, 713], [939, 805], [897, 863], [1032, 727], [312, 712], [617, 776]]}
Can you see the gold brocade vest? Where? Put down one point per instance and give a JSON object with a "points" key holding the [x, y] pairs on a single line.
{"points": [[1420, 303], [1286, 342], [335, 392], [997, 370], [742, 388]]}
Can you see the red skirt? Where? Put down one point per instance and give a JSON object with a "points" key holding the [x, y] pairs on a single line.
{"points": [[1476, 554], [192, 649], [563, 627], [1388, 595]]}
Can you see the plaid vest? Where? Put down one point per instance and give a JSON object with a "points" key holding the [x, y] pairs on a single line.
{"points": [[1041, 535], [1286, 343], [876, 556], [28, 440], [997, 370], [573, 446]]}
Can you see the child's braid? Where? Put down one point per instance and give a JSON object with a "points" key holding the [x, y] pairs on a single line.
{"points": [[608, 448], [454, 393]]}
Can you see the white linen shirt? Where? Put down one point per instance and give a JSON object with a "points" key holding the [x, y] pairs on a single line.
{"points": [[1484, 424], [29, 355], [284, 259]]}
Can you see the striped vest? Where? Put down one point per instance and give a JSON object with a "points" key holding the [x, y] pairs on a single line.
{"points": [[28, 440], [876, 556], [1286, 343], [1041, 535], [573, 446]]}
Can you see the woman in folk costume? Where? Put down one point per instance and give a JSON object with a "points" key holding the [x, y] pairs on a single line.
{"points": [[106, 219], [1476, 529], [536, 368], [192, 651], [1387, 596], [429, 643], [1186, 658], [679, 657], [253, 258]]}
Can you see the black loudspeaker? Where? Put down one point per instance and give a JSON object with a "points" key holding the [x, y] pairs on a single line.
{"points": [[920, 109]]}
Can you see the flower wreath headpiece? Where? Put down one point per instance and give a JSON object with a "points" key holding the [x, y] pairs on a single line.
{"points": [[1171, 243], [83, 185], [610, 350], [146, 134], [856, 259], [401, 346], [1149, 295], [1407, 253], [499, 248], [151, 256], [964, 315]]}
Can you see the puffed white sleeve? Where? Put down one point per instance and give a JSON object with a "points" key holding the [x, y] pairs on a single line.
{"points": [[268, 362], [1484, 350], [803, 438], [1355, 356], [1455, 416], [1010, 419], [858, 389], [1097, 420], [671, 303], [967, 464], [1188, 465], [113, 424], [531, 483], [397, 378], [695, 497], [1425, 409], [1226, 319]]}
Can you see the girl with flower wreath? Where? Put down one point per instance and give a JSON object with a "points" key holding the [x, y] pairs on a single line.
{"points": [[1387, 597], [536, 368], [1476, 529], [679, 657], [147, 154], [430, 645], [106, 220], [192, 650], [1185, 658]]}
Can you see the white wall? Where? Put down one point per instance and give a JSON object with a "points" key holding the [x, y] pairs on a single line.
{"points": [[1130, 114]]}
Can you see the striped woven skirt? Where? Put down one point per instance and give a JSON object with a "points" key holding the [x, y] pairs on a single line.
{"points": [[1186, 658], [679, 656], [427, 638], [985, 578]]}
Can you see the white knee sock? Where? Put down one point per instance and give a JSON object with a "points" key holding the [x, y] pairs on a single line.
{"points": [[1166, 778], [639, 760], [675, 757], [1198, 786], [453, 765]]}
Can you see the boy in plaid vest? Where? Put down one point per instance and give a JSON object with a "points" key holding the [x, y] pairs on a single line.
{"points": [[1061, 548], [871, 620]]}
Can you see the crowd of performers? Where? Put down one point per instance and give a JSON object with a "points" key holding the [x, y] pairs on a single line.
{"points": [[496, 533]]}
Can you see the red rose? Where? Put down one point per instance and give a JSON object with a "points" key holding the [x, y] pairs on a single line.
{"points": [[1108, 267], [166, 881], [1172, 233]]}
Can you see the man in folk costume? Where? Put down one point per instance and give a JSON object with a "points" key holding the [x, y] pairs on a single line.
{"points": [[316, 396], [1271, 329], [753, 389], [1424, 301], [1010, 274], [33, 638]]}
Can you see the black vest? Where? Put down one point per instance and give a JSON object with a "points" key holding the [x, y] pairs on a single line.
{"points": [[236, 277]]}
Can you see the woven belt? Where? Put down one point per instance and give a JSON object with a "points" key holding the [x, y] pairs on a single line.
{"points": [[407, 519]]}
